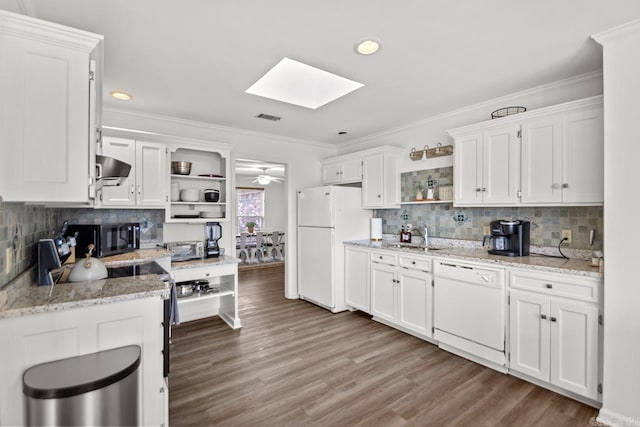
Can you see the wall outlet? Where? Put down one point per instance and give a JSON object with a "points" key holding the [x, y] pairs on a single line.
{"points": [[566, 234], [486, 230]]}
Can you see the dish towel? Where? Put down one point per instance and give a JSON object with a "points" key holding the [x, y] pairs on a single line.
{"points": [[174, 316]]}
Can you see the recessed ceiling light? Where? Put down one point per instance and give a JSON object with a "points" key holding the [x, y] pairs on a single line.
{"points": [[368, 46], [301, 84], [123, 96]]}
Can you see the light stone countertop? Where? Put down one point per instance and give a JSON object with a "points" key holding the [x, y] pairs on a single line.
{"points": [[23, 296], [575, 266], [204, 262]]}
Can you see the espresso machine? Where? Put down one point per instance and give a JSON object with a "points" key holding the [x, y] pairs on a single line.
{"points": [[214, 233], [509, 237]]}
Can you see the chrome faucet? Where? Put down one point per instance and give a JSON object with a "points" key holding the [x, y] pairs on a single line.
{"points": [[425, 235]]}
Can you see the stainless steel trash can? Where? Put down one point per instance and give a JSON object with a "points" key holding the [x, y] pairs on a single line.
{"points": [[94, 389]]}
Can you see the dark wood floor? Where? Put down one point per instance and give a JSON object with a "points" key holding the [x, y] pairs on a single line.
{"points": [[295, 364]]}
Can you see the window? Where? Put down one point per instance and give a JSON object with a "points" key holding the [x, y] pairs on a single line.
{"points": [[250, 207]]}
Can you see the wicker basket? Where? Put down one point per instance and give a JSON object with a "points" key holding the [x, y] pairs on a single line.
{"points": [[416, 154], [507, 111]]}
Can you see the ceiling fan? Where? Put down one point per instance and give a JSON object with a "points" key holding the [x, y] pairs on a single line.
{"points": [[265, 179]]}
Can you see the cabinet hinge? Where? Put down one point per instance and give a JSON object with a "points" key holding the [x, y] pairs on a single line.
{"points": [[92, 75], [166, 198], [520, 134], [433, 283], [519, 194], [600, 319], [508, 299], [99, 136], [433, 330], [600, 388], [509, 356], [101, 196]]}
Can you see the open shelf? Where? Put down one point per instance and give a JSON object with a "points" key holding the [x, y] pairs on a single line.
{"points": [[200, 203], [201, 297], [198, 178]]}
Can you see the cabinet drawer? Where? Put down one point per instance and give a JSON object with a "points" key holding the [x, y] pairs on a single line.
{"points": [[416, 262], [581, 288], [384, 258], [199, 273]]}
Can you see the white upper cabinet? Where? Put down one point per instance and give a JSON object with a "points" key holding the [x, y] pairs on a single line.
{"points": [[48, 87], [344, 171], [378, 171], [488, 171], [146, 183], [545, 157], [380, 180]]}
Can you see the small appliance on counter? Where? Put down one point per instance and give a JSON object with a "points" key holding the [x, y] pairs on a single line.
{"points": [[214, 233], [48, 259], [509, 237], [185, 251]]}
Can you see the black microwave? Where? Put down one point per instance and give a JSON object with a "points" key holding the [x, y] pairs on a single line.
{"points": [[108, 239]]}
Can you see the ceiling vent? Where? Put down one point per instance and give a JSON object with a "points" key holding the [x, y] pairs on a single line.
{"points": [[268, 117]]}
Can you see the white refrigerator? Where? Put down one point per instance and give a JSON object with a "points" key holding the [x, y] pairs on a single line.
{"points": [[327, 216]]}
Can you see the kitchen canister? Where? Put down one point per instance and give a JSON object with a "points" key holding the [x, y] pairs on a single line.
{"points": [[376, 229]]}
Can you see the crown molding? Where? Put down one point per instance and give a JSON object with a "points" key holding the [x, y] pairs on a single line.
{"points": [[47, 32], [218, 128], [620, 31], [481, 105]]}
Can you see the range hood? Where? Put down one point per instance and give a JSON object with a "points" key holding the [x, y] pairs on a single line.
{"points": [[110, 171]]}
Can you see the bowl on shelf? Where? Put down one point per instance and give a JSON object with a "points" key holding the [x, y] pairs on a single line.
{"points": [[180, 168], [189, 195], [209, 214], [211, 195]]}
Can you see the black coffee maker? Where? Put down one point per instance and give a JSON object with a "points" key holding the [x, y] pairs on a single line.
{"points": [[509, 237], [214, 233]]}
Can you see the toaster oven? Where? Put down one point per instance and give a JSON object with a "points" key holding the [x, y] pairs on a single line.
{"points": [[184, 251]]}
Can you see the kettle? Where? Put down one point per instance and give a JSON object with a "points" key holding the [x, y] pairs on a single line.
{"points": [[89, 269]]}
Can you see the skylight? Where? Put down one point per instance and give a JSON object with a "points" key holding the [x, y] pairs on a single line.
{"points": [[301, 84]]}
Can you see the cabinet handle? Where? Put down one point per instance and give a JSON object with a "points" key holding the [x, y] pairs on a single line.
{"points": [[484, 189], [207, 274], [133, 188], [543, 316], [413, 262], [565, 185], [380, 257], [553, 319], [477, 190], [379, 196], [549, 286], [139, 189], [554, 186]]}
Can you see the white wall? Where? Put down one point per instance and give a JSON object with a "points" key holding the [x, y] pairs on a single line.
{"points": [[302, 160], [621, 382], [275, 202]]}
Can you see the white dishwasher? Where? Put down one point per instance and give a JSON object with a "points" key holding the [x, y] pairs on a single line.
{"points": [[470, 311]]}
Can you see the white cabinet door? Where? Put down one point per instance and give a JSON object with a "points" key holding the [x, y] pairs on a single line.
{"points": [[383, 291], [500, 166], [574, 346], [414, 311], [356, 278], [468, 170], [582, 157], [331, 173], [124, 150], [541, 160], [151, 173], [351, 170], [529, 334], [44, 112], [373, 181]]}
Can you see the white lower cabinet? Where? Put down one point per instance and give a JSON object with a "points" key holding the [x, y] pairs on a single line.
{"points": [[45, 337], [555, 339], [400, 295], [356, 278]]}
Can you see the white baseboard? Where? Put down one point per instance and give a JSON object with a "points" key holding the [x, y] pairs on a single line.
{"points": [[614, 419]]}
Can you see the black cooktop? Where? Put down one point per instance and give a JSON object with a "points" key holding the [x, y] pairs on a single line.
{"points": [[150, 267]]}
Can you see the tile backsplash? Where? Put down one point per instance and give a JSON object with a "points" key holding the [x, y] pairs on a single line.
{"points": [[445, 221], [26, 224], [21, 226]]}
